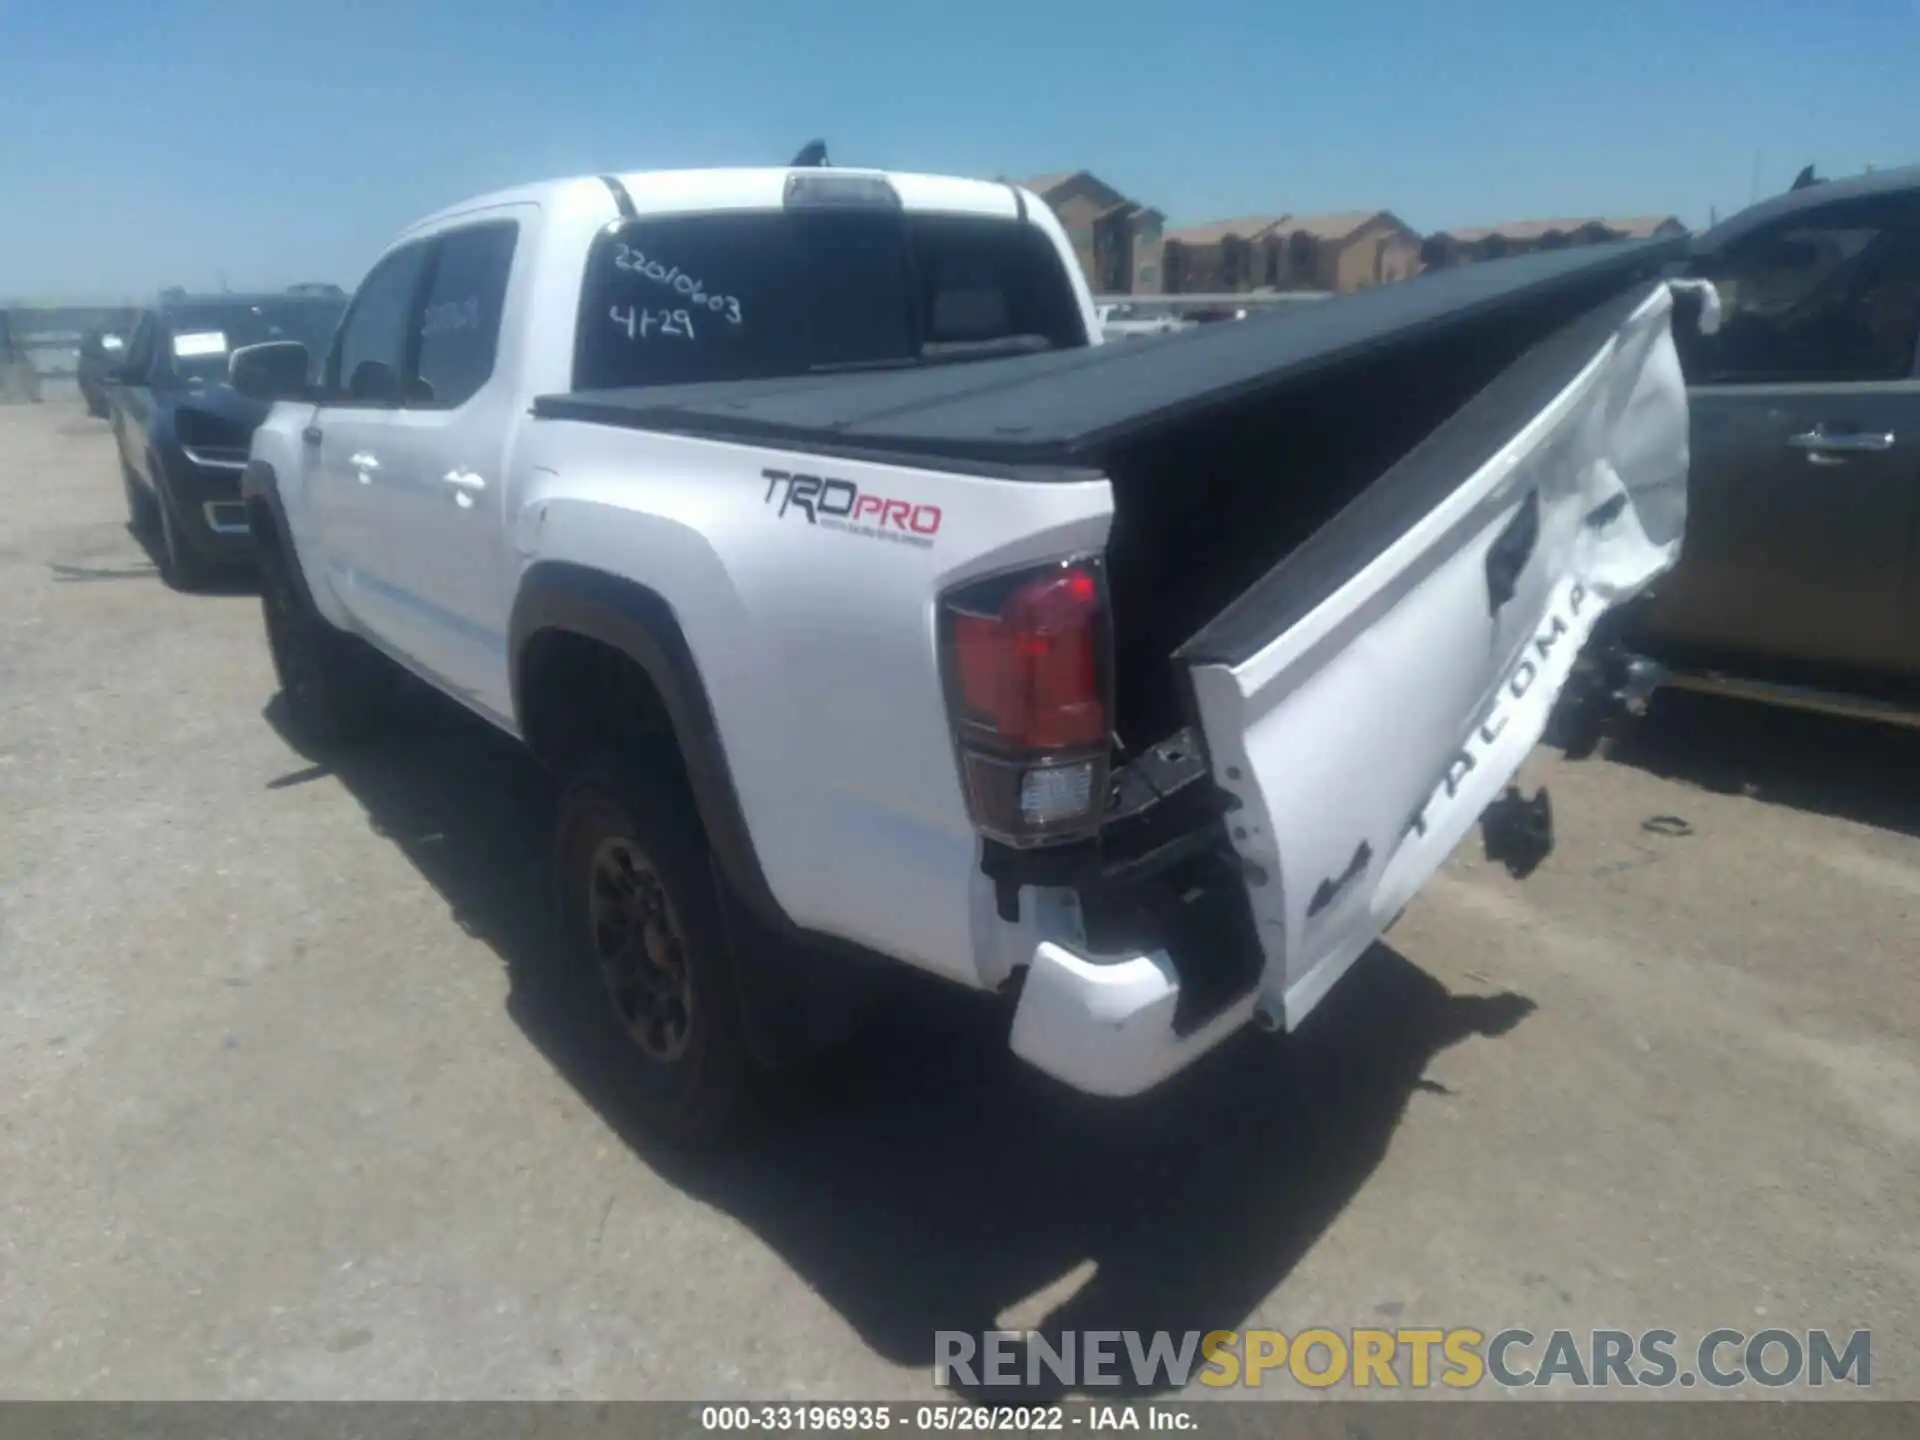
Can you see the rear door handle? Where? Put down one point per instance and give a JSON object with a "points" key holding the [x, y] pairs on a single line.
{"points": [[1848, 442]]}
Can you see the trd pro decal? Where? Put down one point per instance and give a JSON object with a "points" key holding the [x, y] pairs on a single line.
{"points": [[842, 505]]}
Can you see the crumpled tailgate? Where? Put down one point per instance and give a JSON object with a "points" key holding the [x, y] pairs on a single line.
{"points": [[1362, 713]]}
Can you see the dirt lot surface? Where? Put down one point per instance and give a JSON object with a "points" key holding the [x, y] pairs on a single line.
{"points": [[295, 1102]]}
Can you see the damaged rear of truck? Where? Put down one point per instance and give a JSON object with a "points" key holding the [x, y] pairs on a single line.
{"points": [[1233, 637]]}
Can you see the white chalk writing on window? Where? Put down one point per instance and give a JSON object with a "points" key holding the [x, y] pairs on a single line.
{"points": [[634, 261], [452, 315], [640, 324]]}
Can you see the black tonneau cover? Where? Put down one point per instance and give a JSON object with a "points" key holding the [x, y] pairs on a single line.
{"points": [[1067, 408]]}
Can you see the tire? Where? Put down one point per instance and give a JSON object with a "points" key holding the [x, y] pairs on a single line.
{"points": [[639, 907], [140, 512], [181, 566], [336, 688]]}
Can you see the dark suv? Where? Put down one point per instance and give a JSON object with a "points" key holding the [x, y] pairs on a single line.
{"points": [[183, 432], [1800, 583], [101, 353]]}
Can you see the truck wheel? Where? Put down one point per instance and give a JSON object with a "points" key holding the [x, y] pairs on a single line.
{"points": [[640, 909], [336, 687], [181, 566]]}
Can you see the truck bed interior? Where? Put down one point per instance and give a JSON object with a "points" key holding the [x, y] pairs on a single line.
{"points": [[1208, 503]]}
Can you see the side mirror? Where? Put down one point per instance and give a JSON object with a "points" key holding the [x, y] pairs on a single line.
{"points": [[272, 370]]}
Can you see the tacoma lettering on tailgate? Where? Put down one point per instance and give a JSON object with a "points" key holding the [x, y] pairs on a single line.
{"points": [[1513, 689]]}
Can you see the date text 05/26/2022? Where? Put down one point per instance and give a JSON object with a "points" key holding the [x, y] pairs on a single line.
{"points": [[942, 1418]]}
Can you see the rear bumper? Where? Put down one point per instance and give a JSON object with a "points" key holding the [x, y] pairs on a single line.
{"points": [[1107, 1026], [1146, 958]]}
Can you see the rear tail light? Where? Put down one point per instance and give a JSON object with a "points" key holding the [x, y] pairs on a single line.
{"points": [[1028, 660]]}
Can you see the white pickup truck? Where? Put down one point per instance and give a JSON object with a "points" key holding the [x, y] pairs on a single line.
{"points": [[868, 608]]}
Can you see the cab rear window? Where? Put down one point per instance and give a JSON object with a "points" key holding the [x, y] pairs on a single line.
{"points": [[757, 295]]}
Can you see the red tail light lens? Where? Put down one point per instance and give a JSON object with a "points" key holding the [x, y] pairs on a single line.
{"points": [[1032, 672], [1028, 662]]}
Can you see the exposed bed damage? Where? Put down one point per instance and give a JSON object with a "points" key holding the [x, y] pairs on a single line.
{"points": [[1361, 742], [1420, 686]]}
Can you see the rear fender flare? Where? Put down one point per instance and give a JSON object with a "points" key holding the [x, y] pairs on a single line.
{"points": [[639, 623], [799, 991]]}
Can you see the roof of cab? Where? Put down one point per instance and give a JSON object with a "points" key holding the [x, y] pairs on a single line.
{"points": [[739, 188]]}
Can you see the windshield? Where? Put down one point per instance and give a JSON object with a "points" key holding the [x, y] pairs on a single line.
{"points": [[756, 295], [201, 337]]}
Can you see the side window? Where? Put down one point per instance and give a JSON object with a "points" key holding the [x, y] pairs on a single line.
{"points": [[1813, 303], [460, 324], [370, 352], [984, 280]]}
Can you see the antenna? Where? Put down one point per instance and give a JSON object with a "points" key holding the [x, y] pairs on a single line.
{"points": [[812, 155]]}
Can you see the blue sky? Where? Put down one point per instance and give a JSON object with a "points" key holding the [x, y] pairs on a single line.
{"points": [[176, 142]]}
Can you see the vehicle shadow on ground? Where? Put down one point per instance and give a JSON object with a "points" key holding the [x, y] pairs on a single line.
{"points": [[240, 579], [921, 1178], [1859, 770], [82, 425]]}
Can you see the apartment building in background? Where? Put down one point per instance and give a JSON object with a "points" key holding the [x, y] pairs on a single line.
{"points": [[1445, 248], [1351, 250], [1220, 257], [1118, 240], [1125, 248]]}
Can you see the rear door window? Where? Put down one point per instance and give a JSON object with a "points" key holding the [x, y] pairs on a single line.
{"points": [[753, 295], [460, 324]]}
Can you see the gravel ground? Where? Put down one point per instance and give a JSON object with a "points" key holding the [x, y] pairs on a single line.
{"points": [[294, 1104]]}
